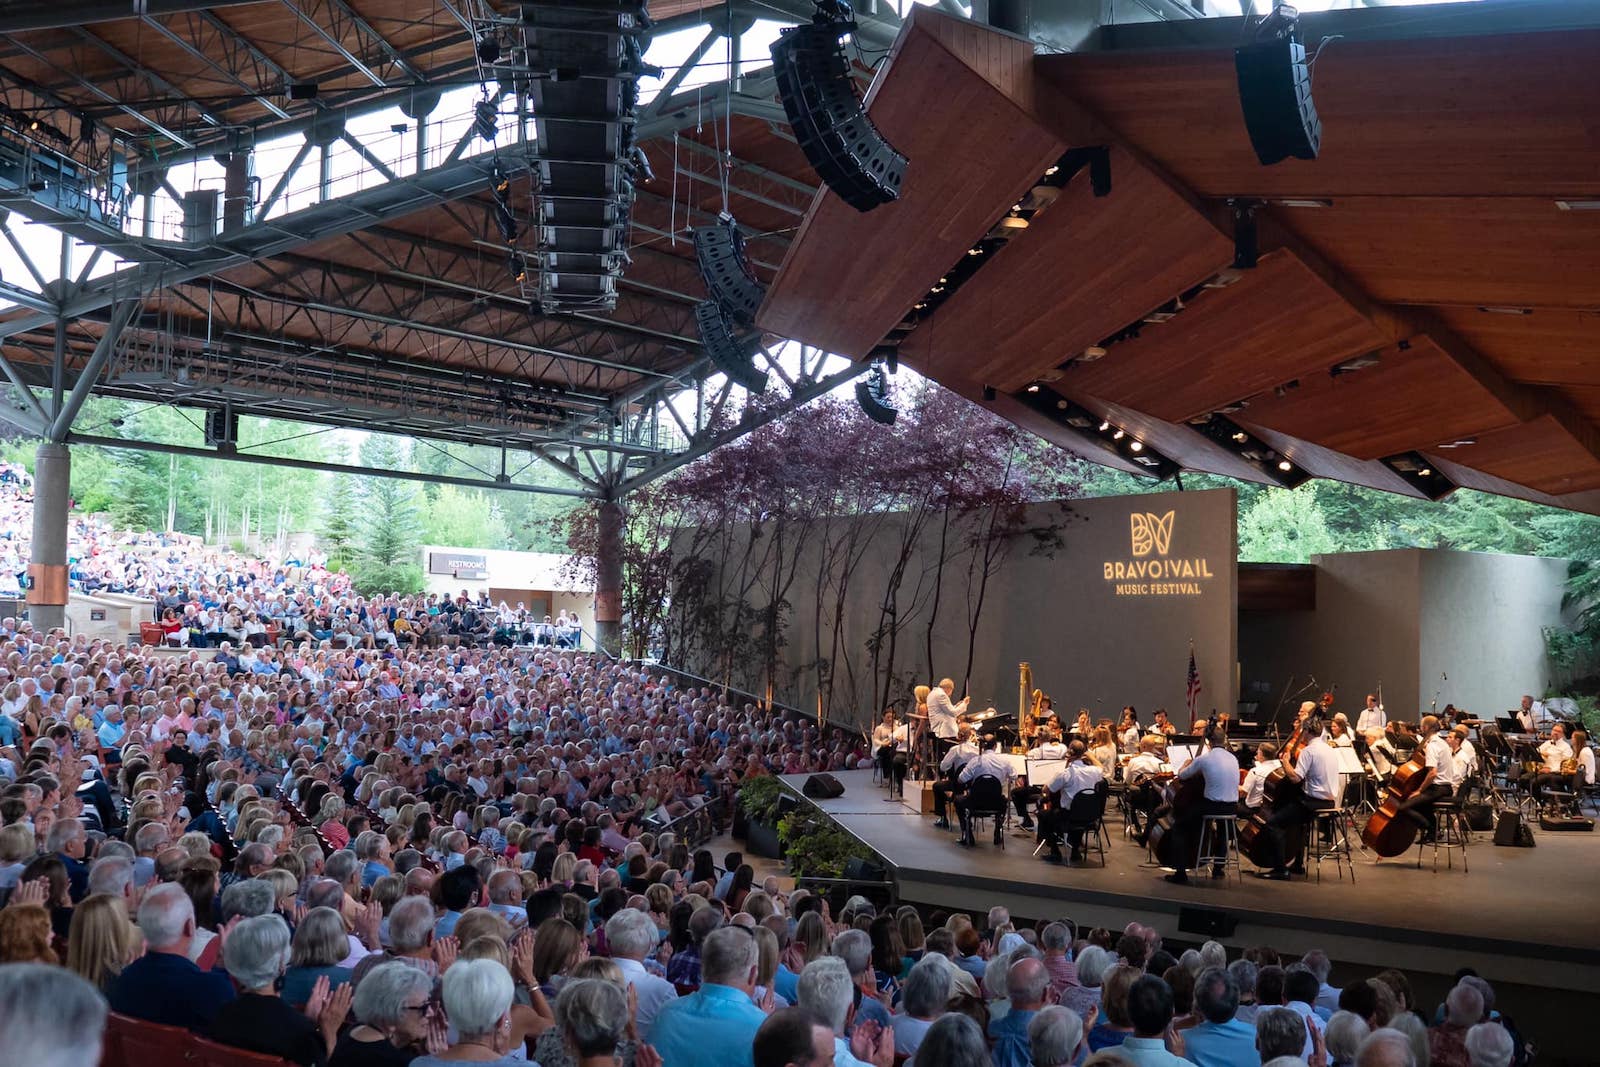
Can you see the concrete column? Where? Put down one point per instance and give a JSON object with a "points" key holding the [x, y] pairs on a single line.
{"points": [[47, 570], [608, 578]]}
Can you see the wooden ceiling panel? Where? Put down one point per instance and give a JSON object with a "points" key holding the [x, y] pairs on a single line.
{"points": [[1086, 268], [1491, 115], [850, 276], [1540, 454], [1480, 251], [1549, 346], [1412, 400], [1278, 322]]}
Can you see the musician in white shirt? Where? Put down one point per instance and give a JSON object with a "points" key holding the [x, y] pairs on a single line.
{"points": [[891, 742], [1373, 721], [944, 716], [1466, 753], [988, 761], [1317, 770], [1252, 792], [1439, 780], [1142, 793], [1220, 771], [1554, 752], [1081, 774], [1050, 748], [950, 768]]}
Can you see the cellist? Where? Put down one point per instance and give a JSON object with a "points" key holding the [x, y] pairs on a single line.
{"points": [[1316, 769], [1440, 778]]}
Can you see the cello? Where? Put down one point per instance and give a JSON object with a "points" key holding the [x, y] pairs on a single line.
{"points": [[1389, 833], [1182, 795]]}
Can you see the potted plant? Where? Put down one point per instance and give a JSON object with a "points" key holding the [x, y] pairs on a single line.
{"points": [[758, 804]]}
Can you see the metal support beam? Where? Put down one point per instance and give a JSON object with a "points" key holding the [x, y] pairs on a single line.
{"points": [[35, 414], [73, 403], [52, 14], [332, 468], [752, 419]]}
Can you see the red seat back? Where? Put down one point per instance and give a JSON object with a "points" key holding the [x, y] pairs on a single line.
{"points": [[131, 1042], [204, 1053]]}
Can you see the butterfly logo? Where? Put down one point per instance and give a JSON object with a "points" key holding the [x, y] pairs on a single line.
{"points": [[1151, 533]]}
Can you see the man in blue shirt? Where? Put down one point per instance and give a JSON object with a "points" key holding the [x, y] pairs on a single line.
{"points": [[1150, 1011], [163, 986], [1027, 981], [1221, 1040], [715, 1026]]}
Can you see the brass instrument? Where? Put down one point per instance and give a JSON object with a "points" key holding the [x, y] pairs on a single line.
{"points": [[1569, 766], [1025, 704]]}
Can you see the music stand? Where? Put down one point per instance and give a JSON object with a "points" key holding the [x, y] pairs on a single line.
{"points": [[1041, 772]]}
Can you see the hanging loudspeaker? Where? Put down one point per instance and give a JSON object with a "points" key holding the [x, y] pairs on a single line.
{"points": [[719, 248], [1275, 93], [733, 354], [819, 96]]}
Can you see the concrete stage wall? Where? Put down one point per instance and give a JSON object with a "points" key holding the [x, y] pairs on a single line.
{"points": [[1106, 620], [1404, 618]]}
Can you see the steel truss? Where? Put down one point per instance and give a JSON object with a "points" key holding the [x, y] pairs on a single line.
{"points": [[250, 323]]}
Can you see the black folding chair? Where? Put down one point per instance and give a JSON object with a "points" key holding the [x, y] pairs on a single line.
{"points": [[1087, 813], [986, 799]]}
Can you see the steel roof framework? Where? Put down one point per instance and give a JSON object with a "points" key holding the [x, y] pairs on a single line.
{"points": [[419, 335]]}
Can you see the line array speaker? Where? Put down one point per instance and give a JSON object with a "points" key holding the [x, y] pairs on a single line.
{"points": [[719, 249], [732, 353], [819, 95], [1275, 93]]}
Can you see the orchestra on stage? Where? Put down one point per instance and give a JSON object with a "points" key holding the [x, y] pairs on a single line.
{"points": [[1271, 794]]}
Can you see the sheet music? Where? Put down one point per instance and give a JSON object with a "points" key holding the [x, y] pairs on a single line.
{"points": [[1180, 756], [1349, 761], [1019, 763], [1042, 772]]}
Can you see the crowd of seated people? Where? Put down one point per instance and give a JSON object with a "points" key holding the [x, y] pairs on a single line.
{"points": [[387, 847]]}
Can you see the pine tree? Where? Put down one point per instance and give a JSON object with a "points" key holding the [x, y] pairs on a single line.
{"points": [[390, 525], [339, 522]]}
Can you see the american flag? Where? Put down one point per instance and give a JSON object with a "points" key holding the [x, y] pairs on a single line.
{"points": [[1194, 684]]}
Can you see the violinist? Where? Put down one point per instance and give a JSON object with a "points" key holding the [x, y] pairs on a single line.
{"points": [[1441, 776], [1103, 751], [1220, 769], [1079, 775], [950, 767], [1082, 727], [1316, 769], [1049, 747], [1339, 732], [1163, 725], [891, 744], [1128, 732]]}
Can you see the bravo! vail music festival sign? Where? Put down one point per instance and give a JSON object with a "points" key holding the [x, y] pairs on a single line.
{"points": [[1150, 571]]}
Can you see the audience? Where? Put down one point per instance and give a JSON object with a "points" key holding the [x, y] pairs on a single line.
{"points": [[376, 831]]}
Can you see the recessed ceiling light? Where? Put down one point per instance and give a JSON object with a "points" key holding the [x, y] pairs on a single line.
{"points": [[1136, 446], [1092, 353], [1426, 472], [1285, 465], [1104, 426], [1119, 435], [1034, 388], [1504, 310], [1578, 205], [1305, 202]]}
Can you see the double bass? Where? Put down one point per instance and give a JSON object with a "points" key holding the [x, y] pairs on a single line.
{"points": [[1279, 789], [1389, 833], [1182, 794]]}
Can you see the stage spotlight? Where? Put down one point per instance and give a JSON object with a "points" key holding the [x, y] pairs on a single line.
{"points": [[1275, 90], [1136, 446], [719, 250], [818, 94], [872, 393], [989, 394], [732, 353], [1249, 448], [1285, 465], [486, 122], [489, 48], [1420, 473]]}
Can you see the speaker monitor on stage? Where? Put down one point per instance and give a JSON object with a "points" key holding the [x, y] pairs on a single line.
{"points": [[857, 869], [1207, 921], [1275, 92], [823, 787]]}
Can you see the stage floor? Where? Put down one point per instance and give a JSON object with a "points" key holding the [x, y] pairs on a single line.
{"points": [[1524, 915]]}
